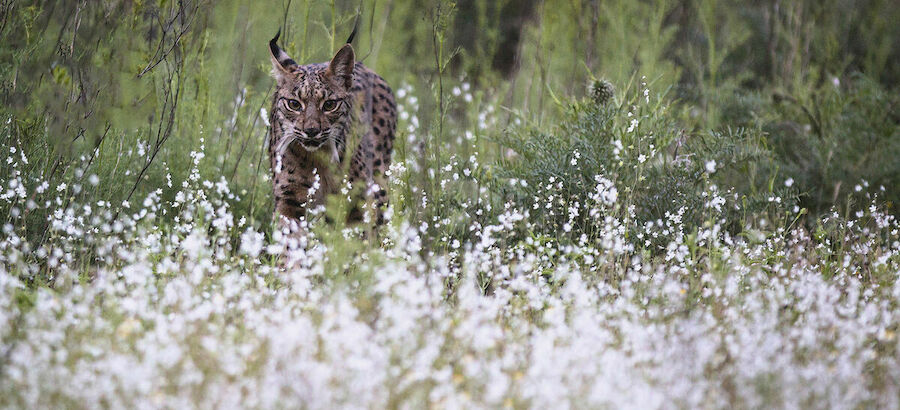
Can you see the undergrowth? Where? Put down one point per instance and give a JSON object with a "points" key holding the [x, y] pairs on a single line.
{"points": [[593, 204]]}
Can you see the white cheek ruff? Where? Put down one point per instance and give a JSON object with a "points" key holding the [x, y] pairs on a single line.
{"points": [[287, 139], [334, 151]]}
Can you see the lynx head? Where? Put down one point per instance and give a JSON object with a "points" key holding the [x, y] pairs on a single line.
{"points": [[312, 103]]}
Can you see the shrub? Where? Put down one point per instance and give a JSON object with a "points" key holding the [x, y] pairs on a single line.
{"points": [[837, 137], [657, 167]]}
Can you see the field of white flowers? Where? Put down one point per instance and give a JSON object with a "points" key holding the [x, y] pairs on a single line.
{"points": [[202, 312], [617, 204]]}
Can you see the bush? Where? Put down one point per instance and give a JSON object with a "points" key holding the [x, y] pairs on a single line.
{"points": [[657, 168], [835, 138]]}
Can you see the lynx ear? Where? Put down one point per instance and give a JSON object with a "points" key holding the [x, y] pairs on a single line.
{"points": [[341, 66], [281, 62]]}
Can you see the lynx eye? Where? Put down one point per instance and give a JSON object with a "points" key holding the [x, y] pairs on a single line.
{"points": [[294, 105], [330, 105]]}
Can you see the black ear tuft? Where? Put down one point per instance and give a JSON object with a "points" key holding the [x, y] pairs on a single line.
{"points": [[355, 29], [273, 43], [279, 57]]}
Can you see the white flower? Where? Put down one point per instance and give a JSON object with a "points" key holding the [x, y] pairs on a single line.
{"points": [[251, 243], [195, 244], [711, 166], [633, 125], [264, 115]]}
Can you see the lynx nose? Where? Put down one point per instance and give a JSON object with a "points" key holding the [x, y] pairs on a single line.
{"points": [[311, 132]]}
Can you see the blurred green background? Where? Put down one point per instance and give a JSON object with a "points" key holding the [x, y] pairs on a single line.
{"points": [[773, 90]]}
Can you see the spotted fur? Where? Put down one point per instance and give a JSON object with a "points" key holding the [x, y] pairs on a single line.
{"points": [[319, 111]]}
